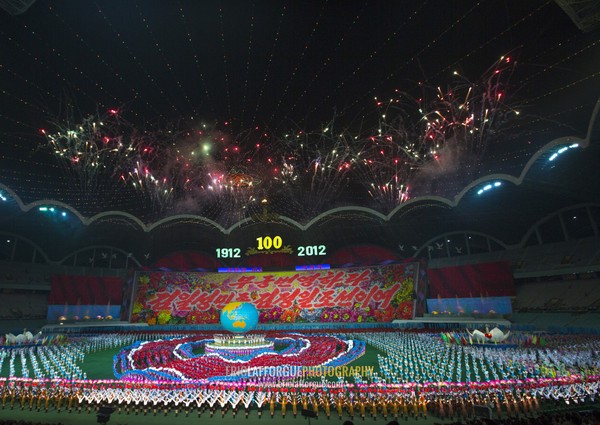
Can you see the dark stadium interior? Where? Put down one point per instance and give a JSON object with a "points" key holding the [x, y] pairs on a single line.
{"points": [[555, 86], [141, 137]]}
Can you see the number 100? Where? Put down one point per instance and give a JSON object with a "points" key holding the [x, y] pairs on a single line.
{"points": [[267, 242]]}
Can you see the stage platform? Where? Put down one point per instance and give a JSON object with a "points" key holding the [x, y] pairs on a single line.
{"points": [[436, 323]]}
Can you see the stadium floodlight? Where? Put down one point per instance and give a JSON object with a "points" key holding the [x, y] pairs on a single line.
{"points": [[562, 150], [489, 186]]}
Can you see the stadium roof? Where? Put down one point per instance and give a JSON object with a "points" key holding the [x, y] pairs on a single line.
{"points": [[350, 116]]}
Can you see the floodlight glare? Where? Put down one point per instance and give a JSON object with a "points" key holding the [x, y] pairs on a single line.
{"points": [[562, 150], [489, 186]]}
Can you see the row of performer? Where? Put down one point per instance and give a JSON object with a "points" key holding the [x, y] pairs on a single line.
{"points": [[321, 398], [239, 340]]}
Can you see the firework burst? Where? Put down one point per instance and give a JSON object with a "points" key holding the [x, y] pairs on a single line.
{"points": [[92, 152], [204, 169]]}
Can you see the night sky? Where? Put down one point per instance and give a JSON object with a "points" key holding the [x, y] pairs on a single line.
{"points": [[252, 75]]}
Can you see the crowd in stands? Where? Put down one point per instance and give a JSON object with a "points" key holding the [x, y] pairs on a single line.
{"points": [[25, 306], [558, 296]]}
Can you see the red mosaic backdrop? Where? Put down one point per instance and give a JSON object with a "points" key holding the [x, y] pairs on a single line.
{"points": [[376, 294]]}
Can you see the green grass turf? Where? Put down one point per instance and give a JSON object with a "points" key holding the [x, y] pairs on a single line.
{"points": [[4, 372], [98, 365]]}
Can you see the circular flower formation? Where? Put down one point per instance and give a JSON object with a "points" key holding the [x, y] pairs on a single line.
{"points": [[175, 359]]}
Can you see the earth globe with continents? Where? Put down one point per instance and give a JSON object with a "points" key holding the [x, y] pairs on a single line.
{"points": [[239, 317]]}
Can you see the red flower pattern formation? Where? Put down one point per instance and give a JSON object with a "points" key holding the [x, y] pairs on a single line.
{"points": [[183, 359]]}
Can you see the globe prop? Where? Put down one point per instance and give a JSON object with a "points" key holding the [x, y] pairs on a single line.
{"points": [[239, 317]]}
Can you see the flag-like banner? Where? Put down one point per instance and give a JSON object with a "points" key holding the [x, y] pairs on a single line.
{"points": [[381, 293], [472, 281], [484, 288], [85, 297]]}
